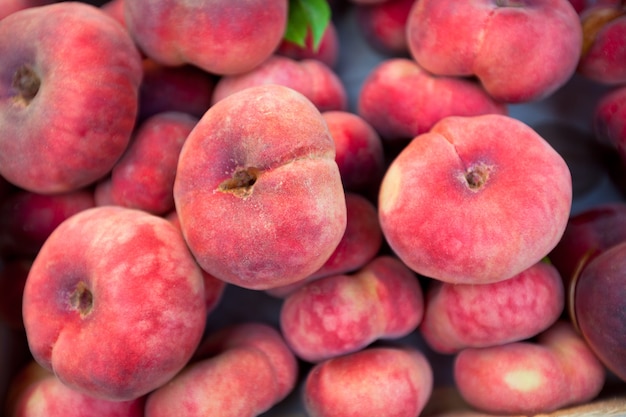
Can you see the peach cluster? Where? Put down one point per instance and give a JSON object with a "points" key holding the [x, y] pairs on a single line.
{"points": [[201, 215]]}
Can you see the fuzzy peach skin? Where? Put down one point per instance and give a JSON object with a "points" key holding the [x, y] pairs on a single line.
{"points": [[359, 151], [143, 178], [314, 79], [340, 314], [376, 381], [41, 394], [258, 192], [185, 88], [497, 41], [383, 25], [71, 53], [115, 9], [475, 200], [8, 7], [465, 315], [359, 245], [598, 307], [527, 377], [239, 371], [28, 218], [609, 120], [220, 36], [327, 50], [114, 303], [401, 100], [604, 50]]}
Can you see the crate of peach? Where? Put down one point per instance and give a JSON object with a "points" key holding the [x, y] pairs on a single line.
{"points": [[312, 208]]}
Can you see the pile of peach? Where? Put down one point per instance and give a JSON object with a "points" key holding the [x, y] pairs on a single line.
{"points": [[155, 155]]}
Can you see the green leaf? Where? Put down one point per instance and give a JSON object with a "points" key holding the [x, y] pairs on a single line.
{"points": [[305, 15]]}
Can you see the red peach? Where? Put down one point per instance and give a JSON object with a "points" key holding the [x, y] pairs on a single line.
{"points": [[314, 79], [359, 245], [326, 52], [458, 316], [401, 100], [185, 88], [249, 369], [71, 53], [526, 377], [604, 50], [258, 192], [115, 9], [377, 381], [383, 25], [28, 218], [143, 178], [11, 6], [340, 314], [609, 120], [220, 37], [359, 151], [114, 303], [496, 41], [42, 394], [476, 200]]}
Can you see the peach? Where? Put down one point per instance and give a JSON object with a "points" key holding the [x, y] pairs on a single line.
{"points": [[220, 37], [41, 393], [359, 245], [604, 50], [496, 41], [475, 200], [143, 178], [314, 79], [527, 377], [28, 218], [340, 314], [377, 381], [609, 121], [383, 25], [114, 303], [401, 100], [598, 308], [71, 53], [359, 151], [239, 371], [327, 51], [458, 316], [115, 9], [257, 190], [184, 88]]}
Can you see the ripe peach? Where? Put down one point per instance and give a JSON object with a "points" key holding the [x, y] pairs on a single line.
{"points": [[383, 25], [496, 41], [359, 245], [41, 393], [220, 37], [114, 303], [143, 178], [376, 381], [465, 315], [401, 100], [609, 120], [11, 6], [314, 79], [359, 151], [239, 371], [604, 50], [341, 314], [527, 377], [28, 218], [71, 53], [258, 192], [488, 198], [598, 307]]}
